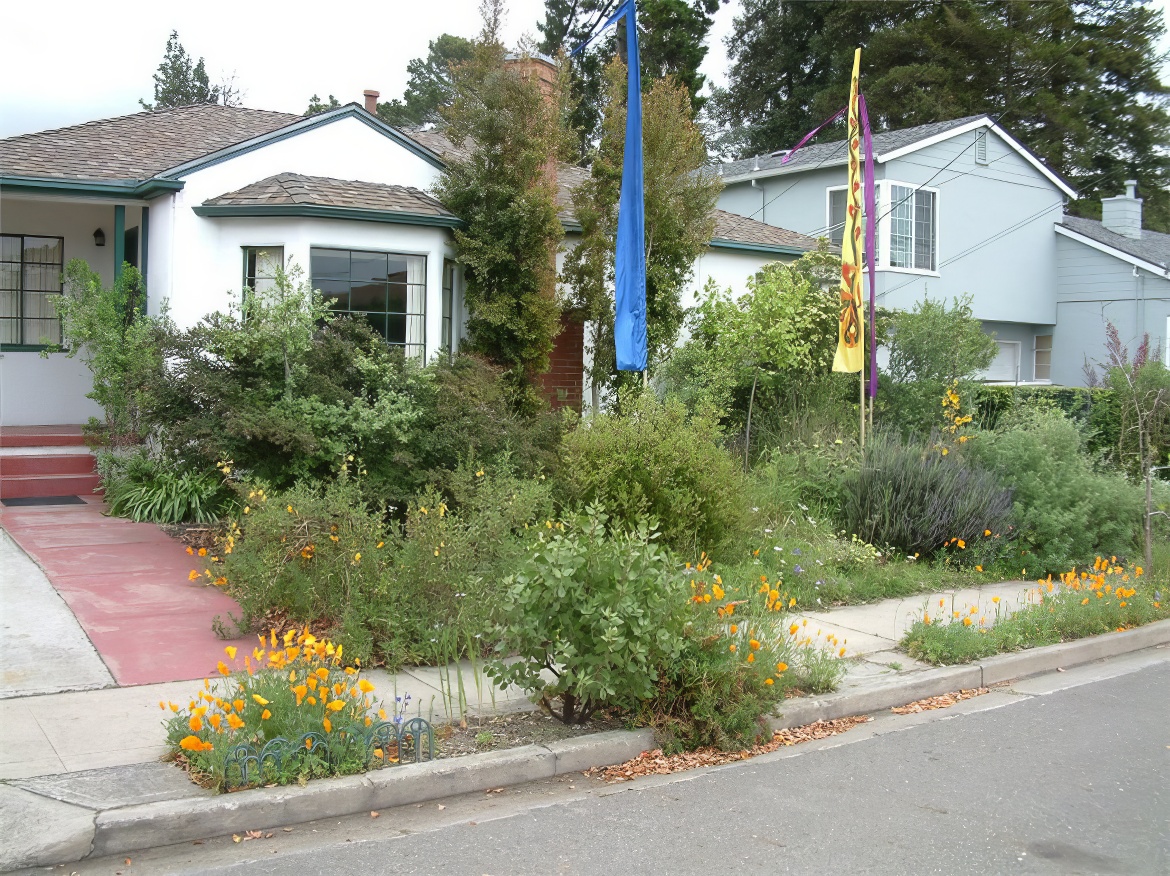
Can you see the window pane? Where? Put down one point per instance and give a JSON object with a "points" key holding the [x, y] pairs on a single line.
{"points": [[367, 296], [396, 272], [901, 227], [396, 328], [9, 304], [329, 264], [40, 318], [42, 278], [366, 266], [10, 248], [837, 201], [924, 231], [9, 331], [42, 250], [338, 289], [9, 276], [397, 302]]}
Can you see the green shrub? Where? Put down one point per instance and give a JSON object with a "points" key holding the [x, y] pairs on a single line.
{"points": [[442, 591], [423, 591], [147, 489], [118, 342], [931, 347], [653, 460], [914, 498], [317, 556], [601, 612], [1064, 511]]}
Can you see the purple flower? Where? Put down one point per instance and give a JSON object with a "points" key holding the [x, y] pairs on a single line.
{"points": [[796, 552], [796, 570]]}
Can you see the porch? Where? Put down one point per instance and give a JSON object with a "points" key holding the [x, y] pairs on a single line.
{"points": [[39, 235]]}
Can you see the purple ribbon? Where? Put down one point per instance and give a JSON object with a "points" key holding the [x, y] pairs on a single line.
{"points": [[812, 134], [870, 237]]}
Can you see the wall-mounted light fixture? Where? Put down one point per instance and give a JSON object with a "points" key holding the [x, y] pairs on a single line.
{"points": [[99, 238]]}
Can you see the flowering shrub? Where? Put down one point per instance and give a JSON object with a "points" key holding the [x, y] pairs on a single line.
{"points": [[294, 687], [742, 651], [314, 555], [615, 623], [1107, 596], [916, 498]]}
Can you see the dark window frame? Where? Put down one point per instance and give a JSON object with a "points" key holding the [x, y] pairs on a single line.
{"points": [[24, 343], [410, 319]]}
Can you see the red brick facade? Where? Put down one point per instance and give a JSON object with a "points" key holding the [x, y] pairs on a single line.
{"points": [[564, 382]]}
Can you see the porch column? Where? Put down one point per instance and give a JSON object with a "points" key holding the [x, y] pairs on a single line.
{"points": [[119, 240], [144, 246]]}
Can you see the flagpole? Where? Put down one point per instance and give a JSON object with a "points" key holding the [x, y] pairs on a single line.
{"points": [[861, 373]]}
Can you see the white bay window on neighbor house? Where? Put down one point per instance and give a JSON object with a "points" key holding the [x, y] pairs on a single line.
{"points": [[30, 277], [387, 290], [912, 228], [907, 225]]}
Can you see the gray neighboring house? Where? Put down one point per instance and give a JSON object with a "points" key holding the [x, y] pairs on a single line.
{"points": [[965, 208]]}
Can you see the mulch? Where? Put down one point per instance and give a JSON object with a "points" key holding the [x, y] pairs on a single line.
{"points": [[940, 702]]}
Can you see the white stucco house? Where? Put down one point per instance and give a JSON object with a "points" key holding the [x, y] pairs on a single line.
{"points": [[201, 198]]}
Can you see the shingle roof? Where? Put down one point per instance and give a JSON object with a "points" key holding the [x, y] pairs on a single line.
{"points": [[319, 191], [137, 146], [739, 229], [1152, 246], [822, 154]]}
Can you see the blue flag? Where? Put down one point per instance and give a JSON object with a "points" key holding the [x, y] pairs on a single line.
{"points": [[629, 323]]}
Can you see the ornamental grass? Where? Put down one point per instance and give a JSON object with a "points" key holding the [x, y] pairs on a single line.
{"points": [[294, 687], [1109, 596]]}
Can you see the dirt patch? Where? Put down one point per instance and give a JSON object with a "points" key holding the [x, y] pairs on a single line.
{"points": [[512, 730]]}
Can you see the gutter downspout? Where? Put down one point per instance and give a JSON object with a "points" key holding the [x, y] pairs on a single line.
{"points": [[763, 202]]}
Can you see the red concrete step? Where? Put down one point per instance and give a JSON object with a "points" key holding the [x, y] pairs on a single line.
{"points": [[41, 436], [24, 486], [46, 464]]}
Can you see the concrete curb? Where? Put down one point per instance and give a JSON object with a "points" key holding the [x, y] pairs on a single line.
{"points": [[1002, 667], [117, 831]]}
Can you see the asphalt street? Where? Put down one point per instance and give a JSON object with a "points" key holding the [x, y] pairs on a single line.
{"points": [[1044, 779]]}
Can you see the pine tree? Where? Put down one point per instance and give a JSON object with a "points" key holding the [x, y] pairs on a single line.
{"points": [[429, 86], [316, 105], [1076, 80], [672, 37], [181, 82], [505, 195]]}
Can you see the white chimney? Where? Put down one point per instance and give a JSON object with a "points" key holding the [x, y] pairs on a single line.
{"points": [[1123, 214]]}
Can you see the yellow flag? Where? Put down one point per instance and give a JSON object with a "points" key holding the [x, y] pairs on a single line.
{"points": [[851, 333]]}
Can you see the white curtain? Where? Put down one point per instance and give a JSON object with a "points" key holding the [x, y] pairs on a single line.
{"points": [[416, 304]]}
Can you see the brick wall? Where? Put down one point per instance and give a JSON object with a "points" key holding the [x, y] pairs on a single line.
{"points": [[564, 382]]}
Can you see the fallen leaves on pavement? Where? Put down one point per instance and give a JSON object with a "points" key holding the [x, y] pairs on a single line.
{"points": [[942, 702], [655, 763]]}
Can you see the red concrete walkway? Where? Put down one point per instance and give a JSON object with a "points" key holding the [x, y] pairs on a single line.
{"points": [[128, 585]]}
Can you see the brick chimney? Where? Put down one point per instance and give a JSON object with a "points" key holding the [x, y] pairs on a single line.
{"points": [[1123, 214], [371, 100]]}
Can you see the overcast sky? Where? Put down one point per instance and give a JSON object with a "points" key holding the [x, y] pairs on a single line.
{"points": [[75, 61]]}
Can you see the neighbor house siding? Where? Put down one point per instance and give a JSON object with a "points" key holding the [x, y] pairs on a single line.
{"points": [[995, 239], [1094, 288]]}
